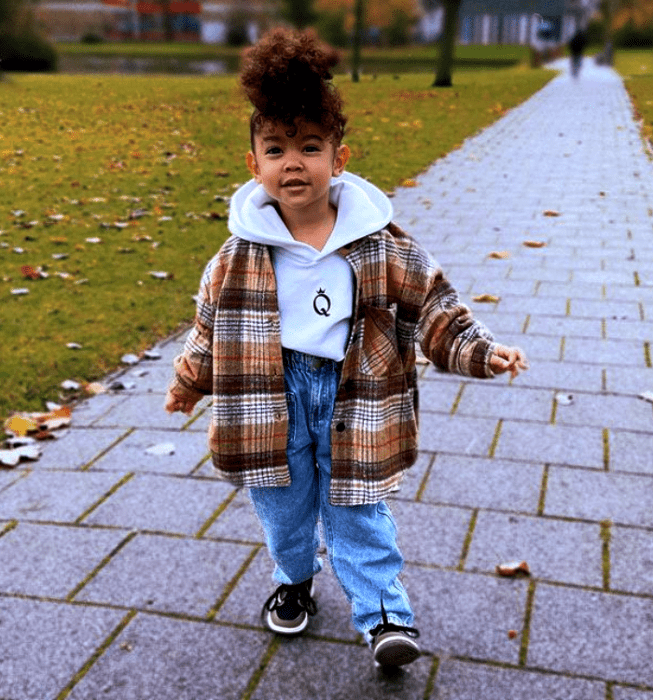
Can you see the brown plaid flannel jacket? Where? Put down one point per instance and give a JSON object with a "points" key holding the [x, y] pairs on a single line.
{"points": [[234, 353]]}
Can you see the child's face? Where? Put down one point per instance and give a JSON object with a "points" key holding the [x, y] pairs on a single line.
{"points": [[296, 170]]}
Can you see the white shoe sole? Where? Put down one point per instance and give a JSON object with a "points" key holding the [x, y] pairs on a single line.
{"points": [[395, 650]]}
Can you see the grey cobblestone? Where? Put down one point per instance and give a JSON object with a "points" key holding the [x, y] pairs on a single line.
{"points": [[128, 576]]}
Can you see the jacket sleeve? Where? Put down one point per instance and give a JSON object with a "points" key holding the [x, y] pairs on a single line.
{"points": [[448, 334], [194, 367]]}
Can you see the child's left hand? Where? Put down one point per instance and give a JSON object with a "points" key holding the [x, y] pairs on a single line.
{"points": [[505, 359]]}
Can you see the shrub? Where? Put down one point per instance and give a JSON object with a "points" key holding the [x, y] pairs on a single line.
{"points": [[92, 38], [26, 52], [632, 37]]}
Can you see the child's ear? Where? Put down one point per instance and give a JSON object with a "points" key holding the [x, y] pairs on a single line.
{"points": [[340, 161], [252, 165]]}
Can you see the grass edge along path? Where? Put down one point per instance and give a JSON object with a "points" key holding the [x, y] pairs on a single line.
{"points": [[115, 188], [636, 68]]}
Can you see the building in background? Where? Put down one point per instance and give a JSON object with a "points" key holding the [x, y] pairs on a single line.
{"points": [[241, 21], [528, 22], [154, 20]]}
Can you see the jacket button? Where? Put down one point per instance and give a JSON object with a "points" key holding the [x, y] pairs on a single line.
{"points": [[340, 427]]}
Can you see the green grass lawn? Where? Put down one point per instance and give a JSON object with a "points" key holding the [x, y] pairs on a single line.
{"points": [[637, 69], [105, 179]]}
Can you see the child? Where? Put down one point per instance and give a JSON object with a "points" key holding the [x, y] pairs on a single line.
{"points": [[305, 335]]}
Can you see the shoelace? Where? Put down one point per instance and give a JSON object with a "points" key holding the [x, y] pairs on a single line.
{"points": [[387, 626], [298, 596]]}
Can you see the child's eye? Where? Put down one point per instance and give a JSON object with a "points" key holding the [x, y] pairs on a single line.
{"points": [[312, 149], [272, 151]]}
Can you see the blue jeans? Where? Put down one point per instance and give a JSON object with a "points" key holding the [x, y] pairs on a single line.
{"points": [[360, 540]]}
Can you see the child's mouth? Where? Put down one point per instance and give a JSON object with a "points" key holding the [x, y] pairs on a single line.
{"points": [[294, 183]]}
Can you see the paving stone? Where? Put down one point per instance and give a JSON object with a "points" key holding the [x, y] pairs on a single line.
{"points": [[578, 290], [555, 550], [552, 306], [631, 560], [142, 411], [629, 380], [563, 376], [557, 444], [585, 633], [595, 495], [90, 410], [245, 602], [238, 522], [500, 323], [429, 534], [606, 411], [620, 693], [542, 274], [65, 636], [131, 453], [567, 326], [159, 658], [506, 402], [536, 347], [414, 477], [54, 496], [7, 478], [306, 668], [78, 447], [472, 436], [484, 483], [457, 680], [462, 614], [605, 352], [610, 310], [50, 560], [167, 574], [163, 504], [631, 452], [438, 396], [629, 330]]}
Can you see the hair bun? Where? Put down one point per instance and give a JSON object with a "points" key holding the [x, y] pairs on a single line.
{"points": [[287, 75]]}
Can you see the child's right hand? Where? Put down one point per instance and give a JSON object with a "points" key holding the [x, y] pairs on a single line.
{"points": [[175, 403], [508, 359]]}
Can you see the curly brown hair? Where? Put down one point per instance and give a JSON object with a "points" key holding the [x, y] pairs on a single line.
{"points": [[287, 76]]}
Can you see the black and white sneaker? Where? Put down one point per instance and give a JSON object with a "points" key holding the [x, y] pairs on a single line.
{"points": [[286, 611], [393, 645]]}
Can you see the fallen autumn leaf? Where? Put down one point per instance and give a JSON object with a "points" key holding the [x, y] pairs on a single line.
{"points": [[486, 299], [513, 568]]}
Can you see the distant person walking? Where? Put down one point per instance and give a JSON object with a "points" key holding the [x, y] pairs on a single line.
{"points": [[576, 48]]}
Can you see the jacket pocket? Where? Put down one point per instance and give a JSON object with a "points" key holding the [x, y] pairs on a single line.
{"points": [[380, 355]]}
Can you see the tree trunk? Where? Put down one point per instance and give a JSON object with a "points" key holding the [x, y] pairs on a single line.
{"points": [[447, 43], [359, 11]]}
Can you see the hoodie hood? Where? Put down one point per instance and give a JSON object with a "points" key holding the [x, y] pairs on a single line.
{"points": [[362, 209]]}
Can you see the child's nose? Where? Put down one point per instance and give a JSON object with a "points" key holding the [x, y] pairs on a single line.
{"points": [[293, 161]]}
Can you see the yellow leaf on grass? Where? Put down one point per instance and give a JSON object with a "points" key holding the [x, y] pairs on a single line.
{"points": [[20, 425], [486, 299], [409, 183]]}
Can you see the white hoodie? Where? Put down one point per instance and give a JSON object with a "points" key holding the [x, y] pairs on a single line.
{"points": [[315, 288]]}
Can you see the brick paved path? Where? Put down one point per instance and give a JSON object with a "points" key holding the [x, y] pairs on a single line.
{"points": [[129, 576]]}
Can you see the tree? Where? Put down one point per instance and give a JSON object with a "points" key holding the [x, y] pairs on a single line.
{"points": [[447, 44], [390, 17], [9, 9], [299, 13], [359, 14]]}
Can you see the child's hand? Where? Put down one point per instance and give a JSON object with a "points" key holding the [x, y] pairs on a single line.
{"points": [[505, 359], [174, 403]]}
